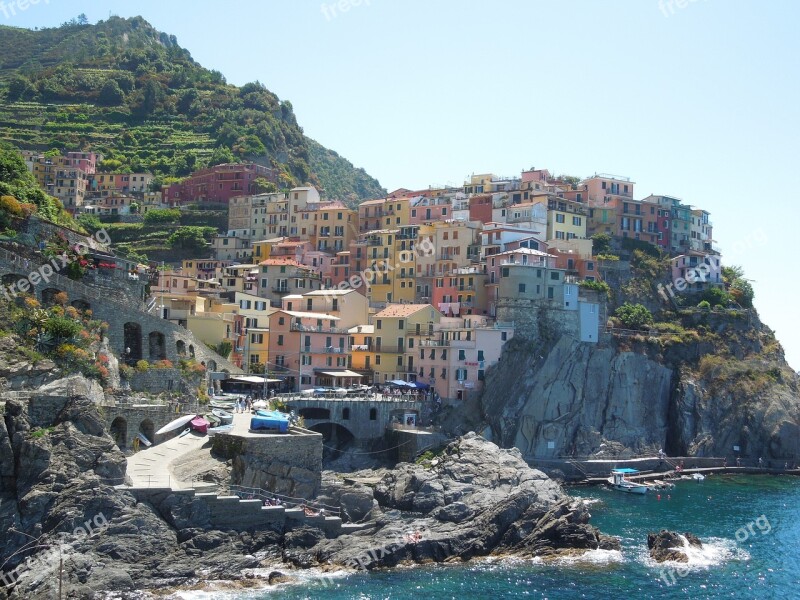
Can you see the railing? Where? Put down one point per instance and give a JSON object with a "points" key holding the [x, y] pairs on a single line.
{"points": [[317, 329], [249, 493]]}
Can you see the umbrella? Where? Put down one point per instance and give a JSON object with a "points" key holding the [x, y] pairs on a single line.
{"points": [[421, 386], [400, 383]]}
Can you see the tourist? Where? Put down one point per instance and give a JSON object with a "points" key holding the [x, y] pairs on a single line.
{"points": [[760, 463], [738, 461]]}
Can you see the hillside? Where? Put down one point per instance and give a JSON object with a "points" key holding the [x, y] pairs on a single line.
{"points": [[131, 92]]}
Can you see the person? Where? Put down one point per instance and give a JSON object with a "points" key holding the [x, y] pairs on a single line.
{"points": [[760, 462], [738, 461], [724, 463]]}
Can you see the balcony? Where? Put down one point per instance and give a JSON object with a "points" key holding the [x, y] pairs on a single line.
{"points": [[323, 350], [316, 329], [280, 289]]}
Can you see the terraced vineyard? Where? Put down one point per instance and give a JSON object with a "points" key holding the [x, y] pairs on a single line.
{"points": [[132, 93]]}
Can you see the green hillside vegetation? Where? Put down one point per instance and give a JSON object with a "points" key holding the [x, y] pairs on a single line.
{"points": [[122, 88], [20, 195]]}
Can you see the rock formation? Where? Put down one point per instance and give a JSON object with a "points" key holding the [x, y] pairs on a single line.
{"points": [[669, 546]]}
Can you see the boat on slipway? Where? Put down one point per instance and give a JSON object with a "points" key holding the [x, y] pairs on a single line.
{"points": [[620, 482], [175, 424]]}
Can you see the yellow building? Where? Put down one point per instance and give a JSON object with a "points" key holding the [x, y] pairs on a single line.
{"points": [[361, 351], [384, 213], [256, 349], [329, 226], [395, 339], [390, 265], [566, 219]]}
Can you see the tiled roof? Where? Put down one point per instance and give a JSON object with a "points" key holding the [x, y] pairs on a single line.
{"points": [[402, 310]]}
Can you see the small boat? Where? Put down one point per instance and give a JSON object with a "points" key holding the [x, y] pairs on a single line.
{"points": [[219, 405], [176, 424], [224, 416], [260, 404], [221, 429], [147, 443], [185, 432], [199, 424], [698, 476], [620, 483], [213, 421], [271, 421]]}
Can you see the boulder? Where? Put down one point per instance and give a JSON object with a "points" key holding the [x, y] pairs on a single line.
{"points": [[670, 546]]}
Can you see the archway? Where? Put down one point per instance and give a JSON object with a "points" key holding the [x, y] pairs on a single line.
{"points": [[81, 305], [133, 342], [12, 279], [180, 346], [157, 346], [50, 296], [335, 438], [119, 431], [191, 350], [212, 366], [314, 413], [147, 429]]}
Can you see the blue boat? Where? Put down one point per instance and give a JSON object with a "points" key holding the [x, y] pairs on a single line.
{"points": [[270, 420]]}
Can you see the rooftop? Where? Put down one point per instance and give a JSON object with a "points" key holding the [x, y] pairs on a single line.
{"points": [[402, 310]]}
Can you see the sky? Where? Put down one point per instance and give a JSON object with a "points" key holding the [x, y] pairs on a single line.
{"points": [[697, 99]]}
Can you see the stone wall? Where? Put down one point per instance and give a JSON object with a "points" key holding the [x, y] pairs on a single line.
{"points": [[285, 464], [148, 336], [156, 381], [410, 443], [359, 422]]}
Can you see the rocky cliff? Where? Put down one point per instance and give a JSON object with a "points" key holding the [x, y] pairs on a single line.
{"points": [[706, 383]]}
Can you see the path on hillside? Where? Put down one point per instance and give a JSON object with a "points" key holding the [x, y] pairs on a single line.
{"points": [[151, 467]]}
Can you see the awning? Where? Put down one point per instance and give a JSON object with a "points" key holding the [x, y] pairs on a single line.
{"points": [[253, 379], [342, 373]]}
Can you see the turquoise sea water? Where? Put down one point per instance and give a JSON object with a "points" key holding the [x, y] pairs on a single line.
{"points": [[750, 525]]}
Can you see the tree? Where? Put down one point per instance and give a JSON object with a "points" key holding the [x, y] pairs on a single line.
{"points": [[716, 296], [634, 316], [263, 186], [82, 19], [224, 348], [601, 243], [191, 238], [162, 216], [111, 94], [222, 155], [20, 88]]}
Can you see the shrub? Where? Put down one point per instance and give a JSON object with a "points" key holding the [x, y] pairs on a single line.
{"points": [[162, 216], [126, 372], [163, 364], [142, 366], [704, 304], [598, 286], [634, 316], [62, 328], [61, 298]]}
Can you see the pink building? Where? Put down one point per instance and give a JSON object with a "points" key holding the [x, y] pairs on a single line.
{"points": [[85, 161], [219, 184], [602, 187], [425, 210]]}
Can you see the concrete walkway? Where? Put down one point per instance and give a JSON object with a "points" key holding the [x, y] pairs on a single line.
{"points": [[150, 467]]}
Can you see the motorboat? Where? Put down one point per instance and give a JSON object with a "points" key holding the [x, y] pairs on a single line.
{"points": [[222, 405], [619, 482]]}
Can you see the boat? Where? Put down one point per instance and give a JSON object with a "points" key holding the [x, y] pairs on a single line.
{"points": [[212, 431], [698, 477], [220, 405], [269, 421], [199, 424], [176, 424], [147, 443], [619, 482], [185, 432], [260, 404], [224, 416]]}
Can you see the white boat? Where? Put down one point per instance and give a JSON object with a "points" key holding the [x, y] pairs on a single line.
{"points": [[221, 429], [147, 443], [620, 483], [176, 424], [224, 416], [260, 405], [698, 477]]}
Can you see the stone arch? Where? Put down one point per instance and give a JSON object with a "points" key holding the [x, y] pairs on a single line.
{"points": [[48, 296], [132, 351], [335, 437], [157, 346], [211, 366], [11, 279], [315, 413], [147, 429], [119, 431], [81, 305], [191, 350], [180, 347]]}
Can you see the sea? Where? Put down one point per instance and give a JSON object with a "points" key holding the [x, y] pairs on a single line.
{"points": [[750, 527]]}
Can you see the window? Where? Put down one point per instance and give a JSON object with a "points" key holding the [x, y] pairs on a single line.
{"points": [[550, 293], [280, 340], [462, 355], [256, 338], [373, 414], [559, 218], [521, 288], [281, 320], [481, 375], [378, 324], [461, 374], [401, 324], [399, 361], [554, 275], [504, 272], [377, 359], [504, 335], [346, 414], [576, 220], [480, 355]]}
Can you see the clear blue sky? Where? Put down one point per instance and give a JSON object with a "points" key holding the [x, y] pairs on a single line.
{"points": [[699, 102]]}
